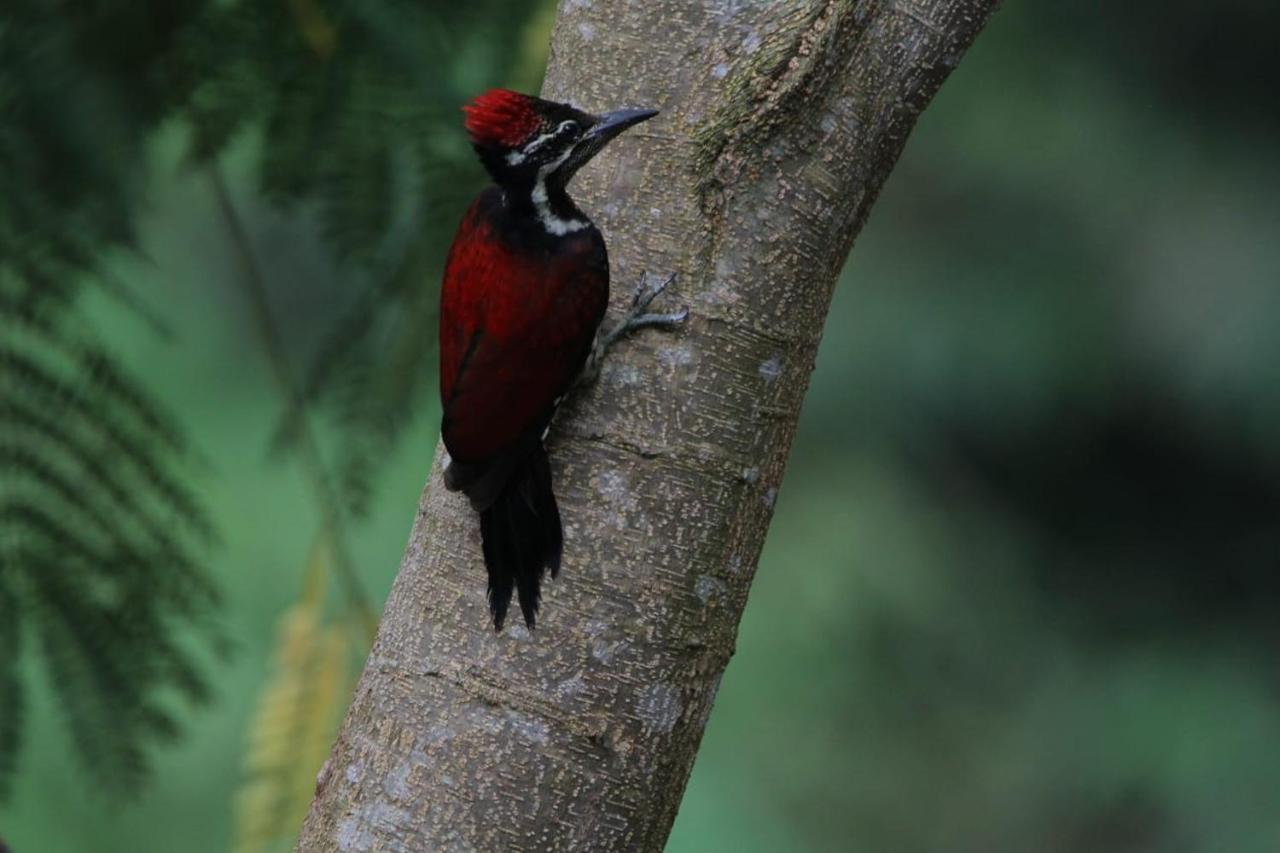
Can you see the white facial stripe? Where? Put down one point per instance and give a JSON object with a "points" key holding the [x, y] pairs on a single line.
{"points": [[554, 224], [515, 158]]}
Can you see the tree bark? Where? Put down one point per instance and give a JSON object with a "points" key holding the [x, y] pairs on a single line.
{"points": [[780, 122]]}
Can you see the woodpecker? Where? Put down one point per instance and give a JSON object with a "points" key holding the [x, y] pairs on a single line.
{"points": [[525, 288]]}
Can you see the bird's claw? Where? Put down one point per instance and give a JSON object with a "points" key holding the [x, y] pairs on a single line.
{"points": [[644, 294], [640, 301], [636, 318]]}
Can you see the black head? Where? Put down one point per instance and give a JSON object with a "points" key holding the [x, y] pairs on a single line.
{"points": [[525, 141]]}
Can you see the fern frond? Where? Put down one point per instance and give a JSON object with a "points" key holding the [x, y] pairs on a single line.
{"points": [[98, 536], [97, 529], [98, 423], [109, 653]]}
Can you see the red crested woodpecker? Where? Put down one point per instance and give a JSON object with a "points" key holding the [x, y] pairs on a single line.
{"points": [[525, 288]]}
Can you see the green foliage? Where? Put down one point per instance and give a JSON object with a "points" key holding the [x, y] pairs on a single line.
{"points": [[351, 100], [98, 541], [99, 535]]}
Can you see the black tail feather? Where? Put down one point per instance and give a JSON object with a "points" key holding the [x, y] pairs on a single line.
{"points": [[547, 510], [501, 583], [522, 539]]}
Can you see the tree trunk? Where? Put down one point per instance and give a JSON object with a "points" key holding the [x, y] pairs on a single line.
{"points": [[780, 122]]}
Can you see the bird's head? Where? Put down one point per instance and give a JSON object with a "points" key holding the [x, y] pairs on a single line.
{"points": [[526, 141]]}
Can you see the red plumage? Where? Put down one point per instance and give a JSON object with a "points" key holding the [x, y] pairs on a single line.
{"points": [[516, 325], [519, 311], [501, 117]]}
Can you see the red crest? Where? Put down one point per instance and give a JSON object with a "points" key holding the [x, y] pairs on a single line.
{"points": [[501, 117]]}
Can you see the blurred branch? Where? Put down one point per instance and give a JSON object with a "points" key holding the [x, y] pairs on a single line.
{"points": [[298, 712], [308, 445]]}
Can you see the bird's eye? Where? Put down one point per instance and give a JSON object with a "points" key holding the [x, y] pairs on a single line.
{"points": [[568, 128]]}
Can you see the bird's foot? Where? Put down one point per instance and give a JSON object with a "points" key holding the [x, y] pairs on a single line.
{"points": [[637, 317]]}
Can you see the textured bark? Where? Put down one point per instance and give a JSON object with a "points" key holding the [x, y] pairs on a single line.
{"points": [[780, 122]]}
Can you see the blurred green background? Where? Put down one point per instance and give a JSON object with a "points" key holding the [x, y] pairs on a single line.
{"points": [[1021, 589]]}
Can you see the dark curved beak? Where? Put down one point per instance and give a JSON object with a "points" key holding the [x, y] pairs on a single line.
{"points": [[610, 124]]}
